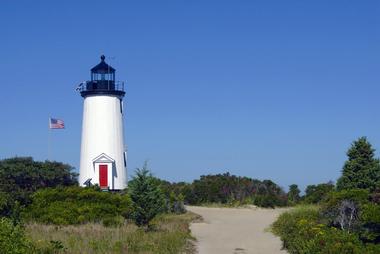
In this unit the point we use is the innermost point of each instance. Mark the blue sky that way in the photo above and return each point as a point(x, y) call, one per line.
point(267, 89)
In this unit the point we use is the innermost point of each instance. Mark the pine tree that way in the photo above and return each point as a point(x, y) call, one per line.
point(362, 169)
point(147, 197)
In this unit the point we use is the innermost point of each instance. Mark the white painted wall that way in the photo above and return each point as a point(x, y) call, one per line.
point(102, 132)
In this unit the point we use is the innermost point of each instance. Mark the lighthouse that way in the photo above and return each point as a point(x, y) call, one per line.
point(103, 160)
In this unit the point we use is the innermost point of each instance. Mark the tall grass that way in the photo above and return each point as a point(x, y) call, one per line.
point(171, 235)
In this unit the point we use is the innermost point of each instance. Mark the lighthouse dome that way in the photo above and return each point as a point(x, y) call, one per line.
point(102, 81)
point(103, 67)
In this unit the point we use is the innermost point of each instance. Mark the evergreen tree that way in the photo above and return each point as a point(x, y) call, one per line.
point(147, 197)
point(293, 194)
point(362, 169)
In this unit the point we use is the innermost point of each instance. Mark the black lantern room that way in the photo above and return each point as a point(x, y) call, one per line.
point(102, 81)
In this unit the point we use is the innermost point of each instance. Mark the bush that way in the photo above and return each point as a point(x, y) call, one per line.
point(21, 176)
point(342, 208)
point(288, 223)
point(370, 223)
point(375, 196)
point(76, 205)
point(12, 238)
point(176, 204)
point(352, 210)
point(314, 194)
point(302, 232)
point(268, 201)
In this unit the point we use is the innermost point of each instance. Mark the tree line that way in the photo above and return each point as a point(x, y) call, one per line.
point(48, 192)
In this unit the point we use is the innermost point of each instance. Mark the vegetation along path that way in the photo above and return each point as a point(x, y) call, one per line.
point(236, 230)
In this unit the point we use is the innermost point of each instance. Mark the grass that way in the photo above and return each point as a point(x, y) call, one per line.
point(171, 235)
point(297, 211)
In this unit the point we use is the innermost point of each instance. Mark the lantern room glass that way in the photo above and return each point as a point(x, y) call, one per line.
point(103, 76)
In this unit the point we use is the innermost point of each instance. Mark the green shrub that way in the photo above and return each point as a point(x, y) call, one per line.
point(267, 201)
point(370, 220)
point(5, 204)
point(21, 176)
point(332, 240)
point(373, 248)
point(288, 223)
point(12, 238)
point(76, 205)
point(342, 208)
point(375, 196)
point(359, 196)
point(302, 232)
point(314, 194)
point(176, 204)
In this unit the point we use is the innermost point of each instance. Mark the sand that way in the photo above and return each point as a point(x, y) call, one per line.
point(236, 231)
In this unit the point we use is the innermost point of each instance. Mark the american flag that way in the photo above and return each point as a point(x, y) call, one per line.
point(56, 123)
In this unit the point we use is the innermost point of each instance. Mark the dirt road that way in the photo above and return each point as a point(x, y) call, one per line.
point(235, 231)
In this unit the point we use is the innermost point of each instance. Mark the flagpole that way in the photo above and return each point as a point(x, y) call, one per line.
point(49, 138)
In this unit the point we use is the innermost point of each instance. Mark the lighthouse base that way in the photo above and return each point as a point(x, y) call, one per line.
point(103, 159)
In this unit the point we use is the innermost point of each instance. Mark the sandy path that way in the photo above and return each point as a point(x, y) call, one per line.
point(235, 231)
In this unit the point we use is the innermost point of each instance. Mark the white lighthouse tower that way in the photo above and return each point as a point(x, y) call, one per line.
point(103, 160)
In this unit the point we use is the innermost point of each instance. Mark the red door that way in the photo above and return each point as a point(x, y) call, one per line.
point(103, 176)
